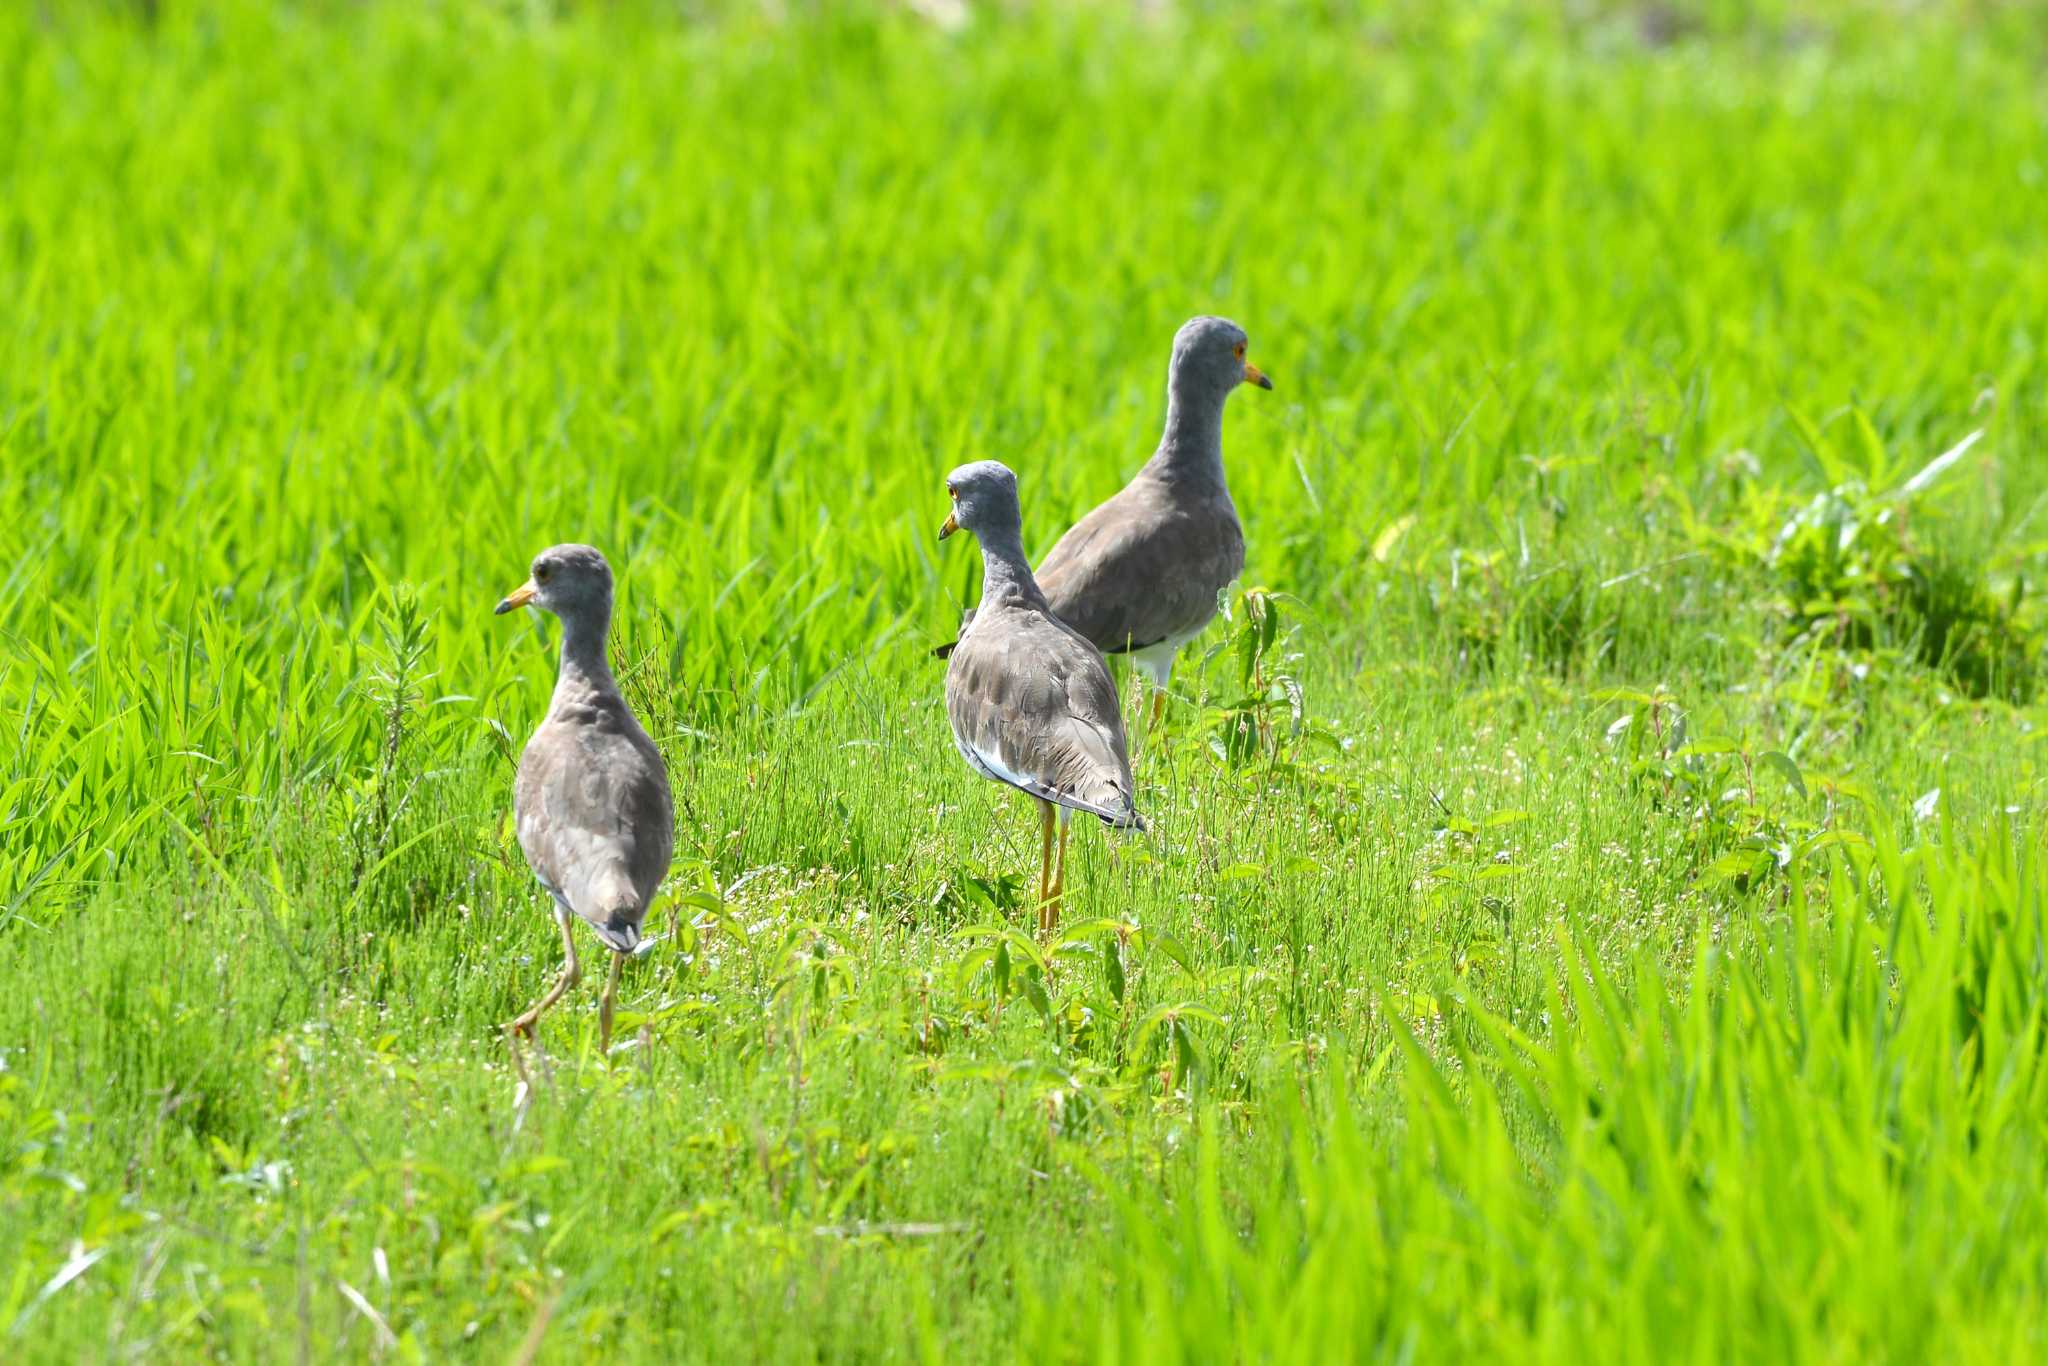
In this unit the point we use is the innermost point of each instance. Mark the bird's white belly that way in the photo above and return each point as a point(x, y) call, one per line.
point(1156, 661)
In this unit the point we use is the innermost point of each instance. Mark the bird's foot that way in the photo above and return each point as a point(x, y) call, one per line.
point(522, 1094)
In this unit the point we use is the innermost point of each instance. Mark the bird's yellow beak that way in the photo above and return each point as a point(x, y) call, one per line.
point(951, 525)
point(1253, 375)
point(518, 597)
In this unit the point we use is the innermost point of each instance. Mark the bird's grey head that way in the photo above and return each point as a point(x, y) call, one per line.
point(984, 501)
point(571, 581)
point(1208, 360)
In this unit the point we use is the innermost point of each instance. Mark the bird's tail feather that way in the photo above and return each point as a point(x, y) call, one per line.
point(618, 932)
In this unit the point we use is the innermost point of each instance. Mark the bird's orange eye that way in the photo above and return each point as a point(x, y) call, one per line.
point(1240, 350)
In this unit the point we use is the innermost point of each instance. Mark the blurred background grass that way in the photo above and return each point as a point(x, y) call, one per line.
point(1608, 340)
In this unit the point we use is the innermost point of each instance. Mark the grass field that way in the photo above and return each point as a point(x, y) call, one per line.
point(1602, 914)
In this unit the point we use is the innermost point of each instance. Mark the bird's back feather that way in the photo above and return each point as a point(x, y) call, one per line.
point(594, 815)
point(1032, 704)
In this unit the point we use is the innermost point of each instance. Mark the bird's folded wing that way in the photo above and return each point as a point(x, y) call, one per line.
point(1135, 572)
point(1036, 709)
point(597, 834)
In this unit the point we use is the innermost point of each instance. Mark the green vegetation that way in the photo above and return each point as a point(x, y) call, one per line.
point(1594, 903)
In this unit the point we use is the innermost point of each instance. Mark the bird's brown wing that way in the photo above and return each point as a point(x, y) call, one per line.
point(1032, 704)
point(1145, 566)
point(595, 818)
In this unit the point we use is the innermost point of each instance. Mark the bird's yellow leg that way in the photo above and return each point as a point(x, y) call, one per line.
point(1158, 704)
point(571, 970)
point(1059, 878)
point(1045, 822)
point(604, 1010)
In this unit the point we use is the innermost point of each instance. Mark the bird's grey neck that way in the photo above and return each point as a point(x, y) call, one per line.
point(1005, 572)
point(584, 669)
point(1191, 448)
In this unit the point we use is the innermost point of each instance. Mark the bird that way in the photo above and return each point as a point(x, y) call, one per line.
point(591, 803)
point(1030, 698)
point(1141, 574)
